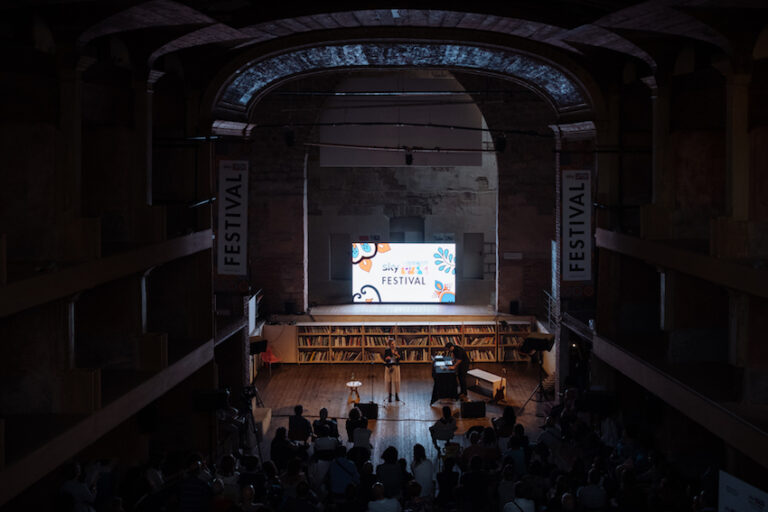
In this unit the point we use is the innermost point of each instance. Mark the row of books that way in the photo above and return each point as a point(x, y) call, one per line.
point(313, 357)
point(415, 355)
point(481, 355)
point(378, 329)
point(446, 329)
point(375, 341)
point(436, 330)
point(315, 329)
point(412, 329)
point(374, 356)
point(320, 355)
point(355, 329)
point(415, 341)
point(313, 341)
point(468, 329)
point(347, 341)
point(347, 355)
point(484, 340)
point(511, 340)
point(442, 340)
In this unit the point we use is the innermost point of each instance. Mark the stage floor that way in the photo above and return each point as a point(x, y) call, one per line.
point(400, 424)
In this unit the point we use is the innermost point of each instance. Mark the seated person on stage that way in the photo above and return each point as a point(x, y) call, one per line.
point(324, 420)
point(444, 428)
point(355, 420)
point(299, 428)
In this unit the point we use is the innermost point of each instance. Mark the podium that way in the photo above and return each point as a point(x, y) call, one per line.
point(445, 383)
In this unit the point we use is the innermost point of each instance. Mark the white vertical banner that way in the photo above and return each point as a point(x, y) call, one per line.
point(577, 226)
point(735, 495)
point(232, 237)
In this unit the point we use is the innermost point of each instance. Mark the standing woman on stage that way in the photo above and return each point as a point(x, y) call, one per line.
point(392, 371)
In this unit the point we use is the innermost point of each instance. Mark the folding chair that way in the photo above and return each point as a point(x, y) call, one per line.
point(269, 358)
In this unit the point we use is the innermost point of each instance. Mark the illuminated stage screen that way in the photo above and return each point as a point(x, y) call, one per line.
point(403, 273)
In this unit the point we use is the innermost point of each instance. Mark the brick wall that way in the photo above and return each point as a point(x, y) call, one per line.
point(526, 212)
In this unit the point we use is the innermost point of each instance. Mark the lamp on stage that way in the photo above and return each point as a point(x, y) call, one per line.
point(538, 342)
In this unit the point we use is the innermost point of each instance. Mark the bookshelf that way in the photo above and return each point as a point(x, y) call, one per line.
point(413, 342)
point(479, 340)
point(511, 336)
point(360, 342)
point(313, 342)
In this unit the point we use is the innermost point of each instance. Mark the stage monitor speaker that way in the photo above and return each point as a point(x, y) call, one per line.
point(474, 409)
point(258, 346)
point(369, 410)
point(538, 341)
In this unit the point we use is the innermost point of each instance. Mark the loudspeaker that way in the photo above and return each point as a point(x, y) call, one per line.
point(257, 347)
point(369, 410)
point(514, 307)
point(473, 409)
point(538, 341)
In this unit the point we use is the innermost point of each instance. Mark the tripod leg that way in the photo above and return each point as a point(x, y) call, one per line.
point(540, 386)
point(257, 396)
point(537, 388)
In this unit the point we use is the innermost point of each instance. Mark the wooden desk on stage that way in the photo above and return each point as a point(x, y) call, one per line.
point(445, 383)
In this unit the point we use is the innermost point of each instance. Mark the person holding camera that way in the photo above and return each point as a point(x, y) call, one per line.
point(392, 371)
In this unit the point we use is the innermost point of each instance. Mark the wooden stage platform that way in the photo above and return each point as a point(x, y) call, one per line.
point(400, 424)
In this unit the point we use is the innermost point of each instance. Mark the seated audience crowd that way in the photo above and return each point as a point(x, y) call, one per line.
point(576, 462)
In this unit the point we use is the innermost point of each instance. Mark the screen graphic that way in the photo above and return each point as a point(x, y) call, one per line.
point(412, 273)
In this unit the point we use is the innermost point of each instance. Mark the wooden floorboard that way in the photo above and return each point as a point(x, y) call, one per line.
point(400, 424)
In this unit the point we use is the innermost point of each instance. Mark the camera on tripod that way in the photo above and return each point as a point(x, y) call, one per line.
point(538, 342)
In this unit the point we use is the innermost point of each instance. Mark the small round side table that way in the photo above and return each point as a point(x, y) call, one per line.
point(354, 396)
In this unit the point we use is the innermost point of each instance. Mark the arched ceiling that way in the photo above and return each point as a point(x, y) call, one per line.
point(508, 38)
point(561, 91)
point(602, 24)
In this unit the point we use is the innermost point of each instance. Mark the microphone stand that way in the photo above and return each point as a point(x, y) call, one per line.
point(370, 374)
